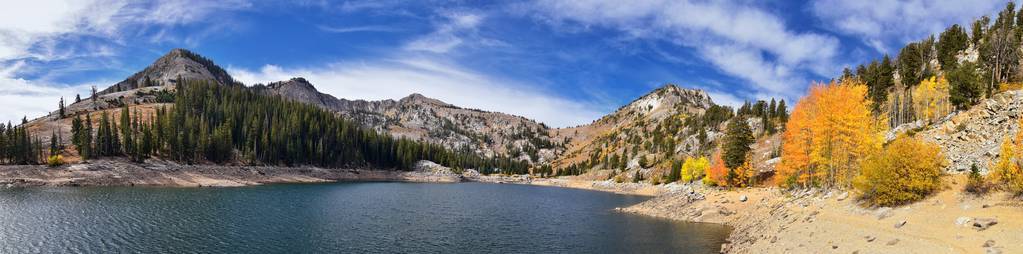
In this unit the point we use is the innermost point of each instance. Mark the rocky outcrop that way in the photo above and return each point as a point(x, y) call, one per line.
point(973, 137)
point(664, 112)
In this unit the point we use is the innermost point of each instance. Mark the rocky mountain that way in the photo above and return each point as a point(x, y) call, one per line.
point(670, 122)
point(423, 118)
point(166, 70)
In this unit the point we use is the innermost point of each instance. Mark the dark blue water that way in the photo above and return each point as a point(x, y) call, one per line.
point(344, 217)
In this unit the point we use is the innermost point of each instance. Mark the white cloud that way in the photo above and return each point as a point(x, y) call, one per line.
point(27, 98)
point(887, 25)
point(397, 78)
point(354, 29)
point(50, 30)
point(724, 98)
point(448, 33)
point(737, 39)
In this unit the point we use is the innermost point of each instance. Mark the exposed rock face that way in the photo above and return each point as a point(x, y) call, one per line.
point(422, 118)
point(167, 69)
point(973, 137)
point(620, 131)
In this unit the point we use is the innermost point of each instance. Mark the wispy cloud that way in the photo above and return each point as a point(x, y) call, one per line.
point(27, 98)
point(51, 37)
point(887, 25)
point(399, 77)
point(448, 33)
point(742, 41)
point(354, 29)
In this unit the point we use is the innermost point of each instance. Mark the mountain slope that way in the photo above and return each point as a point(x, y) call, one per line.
point(178, 63)
point(668, 123)
point(422, 118)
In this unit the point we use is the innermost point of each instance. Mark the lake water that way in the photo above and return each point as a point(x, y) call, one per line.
point(342, 217)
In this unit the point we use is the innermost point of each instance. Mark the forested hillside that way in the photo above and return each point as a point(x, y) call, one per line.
point(231, 124)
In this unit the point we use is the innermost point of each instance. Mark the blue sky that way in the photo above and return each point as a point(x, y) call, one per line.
point(560, 62)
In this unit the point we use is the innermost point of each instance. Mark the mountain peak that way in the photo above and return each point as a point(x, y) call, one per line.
point(417, 98)
point(166, 70)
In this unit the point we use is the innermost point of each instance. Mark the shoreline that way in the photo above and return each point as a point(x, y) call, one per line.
point(763, 219)
point(166, 174)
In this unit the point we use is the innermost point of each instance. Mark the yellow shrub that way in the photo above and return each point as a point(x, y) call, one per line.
point(55, 160)
point(693, 169)
point(908, 169)
point(1008, 170)
point(1010, 86)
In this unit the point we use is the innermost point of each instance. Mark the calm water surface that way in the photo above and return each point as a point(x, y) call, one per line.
point(343, 217)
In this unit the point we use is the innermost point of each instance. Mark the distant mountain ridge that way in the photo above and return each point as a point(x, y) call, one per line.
point(423, 118)
point(419, 117)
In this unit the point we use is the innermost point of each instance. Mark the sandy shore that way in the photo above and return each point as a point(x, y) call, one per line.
point(770, 221)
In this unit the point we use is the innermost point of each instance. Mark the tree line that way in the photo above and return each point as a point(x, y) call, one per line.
point(996, 63)
point(210, 123)
point(17, 145)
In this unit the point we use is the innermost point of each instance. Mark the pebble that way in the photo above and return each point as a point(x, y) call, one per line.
point(843, 196)
point(892, 242)
point(961, 221)
point(981, 224)
point(883, 212)
point(989, 243)
point(870, 238)
point(743, 198)
point(900, 224)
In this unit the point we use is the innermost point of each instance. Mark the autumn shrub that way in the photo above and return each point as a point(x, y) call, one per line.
point(1008, 171)
point(717, 172)
point(906, 170)
point(694, 168)
point(55, 160)
point(1010, 86)
point(741, 176)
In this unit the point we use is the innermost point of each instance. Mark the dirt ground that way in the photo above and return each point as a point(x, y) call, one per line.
point(770, 221)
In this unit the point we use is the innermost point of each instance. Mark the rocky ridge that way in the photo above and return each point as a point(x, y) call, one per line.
point(422, 118)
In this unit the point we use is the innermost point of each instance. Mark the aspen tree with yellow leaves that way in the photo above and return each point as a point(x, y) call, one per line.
point(931, 99)
point(1008, 169)
point(830, 132)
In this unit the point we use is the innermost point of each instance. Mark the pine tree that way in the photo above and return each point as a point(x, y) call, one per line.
point(60, 107)
point(736, 143)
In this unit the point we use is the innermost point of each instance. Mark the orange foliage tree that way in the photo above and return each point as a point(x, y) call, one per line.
point(717, 173)
point(830, 131)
